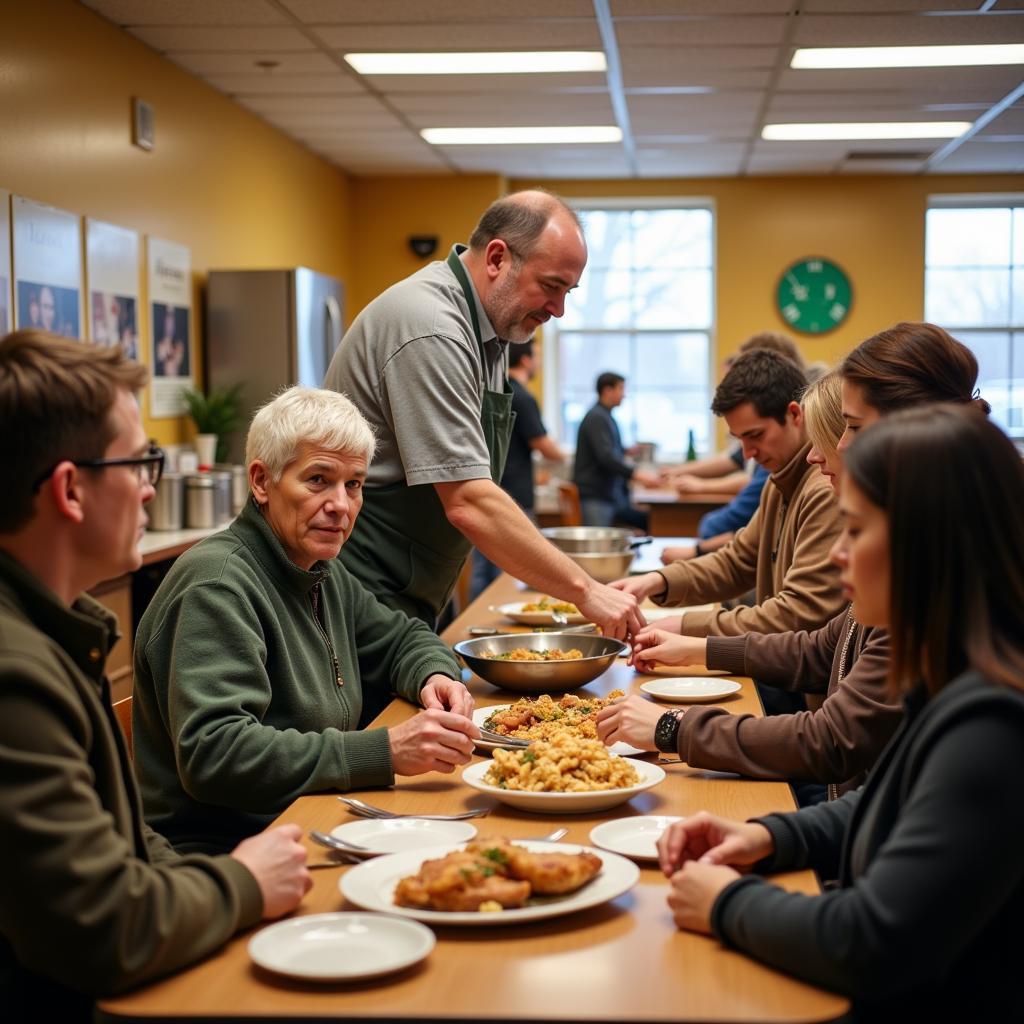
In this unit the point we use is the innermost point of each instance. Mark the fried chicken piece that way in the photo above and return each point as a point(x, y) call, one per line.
point(463, 880)
point(551, 874)
point(495, 889)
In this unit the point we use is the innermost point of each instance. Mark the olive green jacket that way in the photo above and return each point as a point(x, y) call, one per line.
point(246, 699)
point(93, 901)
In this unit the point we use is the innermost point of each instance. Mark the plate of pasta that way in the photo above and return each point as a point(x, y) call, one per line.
point(565, 775)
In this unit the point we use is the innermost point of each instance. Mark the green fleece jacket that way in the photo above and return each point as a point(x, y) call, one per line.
point(246, 698)
point(94, 902)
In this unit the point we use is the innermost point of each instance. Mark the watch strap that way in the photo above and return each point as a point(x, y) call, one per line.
point(666, 732)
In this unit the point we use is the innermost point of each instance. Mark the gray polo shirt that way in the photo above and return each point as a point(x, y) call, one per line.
point(412, 366)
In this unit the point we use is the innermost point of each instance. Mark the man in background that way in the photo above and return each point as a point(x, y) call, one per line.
point(601, 471)
point(529, 435)
point(94, 901)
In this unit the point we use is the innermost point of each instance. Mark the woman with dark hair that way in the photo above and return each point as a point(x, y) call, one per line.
point(926, 923)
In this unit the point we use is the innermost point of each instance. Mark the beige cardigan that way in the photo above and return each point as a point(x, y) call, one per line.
point(782, 554)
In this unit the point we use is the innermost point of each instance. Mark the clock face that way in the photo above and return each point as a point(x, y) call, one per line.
point(814, 296)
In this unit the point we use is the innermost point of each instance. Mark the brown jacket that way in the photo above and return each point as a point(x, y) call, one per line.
point(837, 743)
point(94, 901)
point(782, 553)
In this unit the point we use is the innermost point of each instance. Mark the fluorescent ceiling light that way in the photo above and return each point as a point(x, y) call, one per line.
point(523, 62)
point(545, 136)
point(865, 130)
point(907, 56)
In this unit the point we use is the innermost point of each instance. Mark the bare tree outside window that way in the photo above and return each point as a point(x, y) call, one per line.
point(644, 309)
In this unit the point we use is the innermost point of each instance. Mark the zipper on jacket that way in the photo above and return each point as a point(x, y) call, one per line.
point(782, 526)
point(314, 600)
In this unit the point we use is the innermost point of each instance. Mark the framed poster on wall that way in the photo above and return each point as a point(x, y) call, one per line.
point(6, 320)
point(47, 267)
point(112, 273)
point(170, 301)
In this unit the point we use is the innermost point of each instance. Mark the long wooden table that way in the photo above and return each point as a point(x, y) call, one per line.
point(673, 514)
point(623, 961)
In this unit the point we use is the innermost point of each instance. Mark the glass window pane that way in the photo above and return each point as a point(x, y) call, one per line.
point(667, 360)
point(1015, 402)
point(968, 237)
point(1017, 300)
point(608, 236)
point(667, 416)
point(603, 299)
point(1018, 235)
point(673, 298)
point(672, 238)
point(583, 356)
point(972, 297)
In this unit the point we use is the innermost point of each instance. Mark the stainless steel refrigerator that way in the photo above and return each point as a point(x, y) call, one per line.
point(267, 329)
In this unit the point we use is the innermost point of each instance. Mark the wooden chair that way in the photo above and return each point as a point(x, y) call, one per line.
point(569, 503)
point(123, 710)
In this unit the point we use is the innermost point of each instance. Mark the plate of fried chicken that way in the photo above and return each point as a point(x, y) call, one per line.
point(489, 881)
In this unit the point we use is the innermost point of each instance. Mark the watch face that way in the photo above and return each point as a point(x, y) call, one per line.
point(814, 296)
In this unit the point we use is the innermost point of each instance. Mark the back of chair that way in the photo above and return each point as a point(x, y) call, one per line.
point(123, 710)
point(569, 504)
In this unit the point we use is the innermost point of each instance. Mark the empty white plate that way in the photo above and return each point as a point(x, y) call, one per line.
point(401, 834)
point(690, 689)
point(632, 837)
point(333, 947)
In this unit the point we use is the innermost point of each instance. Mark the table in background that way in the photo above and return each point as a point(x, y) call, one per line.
point(622, 961)
point(673, 514)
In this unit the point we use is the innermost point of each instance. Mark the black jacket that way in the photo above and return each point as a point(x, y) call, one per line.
point(927, 922)
point(600, 470)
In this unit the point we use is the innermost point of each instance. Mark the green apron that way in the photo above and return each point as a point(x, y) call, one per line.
point(403, 548)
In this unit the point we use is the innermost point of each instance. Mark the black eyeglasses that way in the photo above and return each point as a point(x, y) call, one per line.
point(148, 468)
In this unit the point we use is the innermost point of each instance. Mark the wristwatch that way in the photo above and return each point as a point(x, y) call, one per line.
point(667, 731)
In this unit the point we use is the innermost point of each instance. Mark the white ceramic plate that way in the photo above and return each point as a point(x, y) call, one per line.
point(690, 689)
point(401, 834)
point(480, 715)
point(515, 612)
point(632, 837)
point(371, 885)
point(564, 803)
point(334, 947)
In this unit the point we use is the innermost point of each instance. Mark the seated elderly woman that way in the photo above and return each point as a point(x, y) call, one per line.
point(252, 660)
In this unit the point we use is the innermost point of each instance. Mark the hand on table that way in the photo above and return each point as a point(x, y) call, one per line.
point(432, 741)
point(661, 645)
point(446, 694)
point(277, 861)
point(693, 891)
point(641, 476)
point(631, 720)
point(617, 613)
point(710, 840)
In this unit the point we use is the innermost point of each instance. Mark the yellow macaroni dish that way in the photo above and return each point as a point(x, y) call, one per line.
point(563, 764)
point(549, 604)
point(546, 717)
point(525, 654)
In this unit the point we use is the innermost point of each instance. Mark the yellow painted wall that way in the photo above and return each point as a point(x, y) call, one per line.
point(234, 190)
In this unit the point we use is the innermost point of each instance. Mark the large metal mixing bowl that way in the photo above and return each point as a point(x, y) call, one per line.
point(604, 567)
point(599, 652)
point(593, 539)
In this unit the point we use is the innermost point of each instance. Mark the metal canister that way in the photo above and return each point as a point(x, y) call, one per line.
point(200, 501)
point(222, 491)
point(239, 485)
point(166, 509)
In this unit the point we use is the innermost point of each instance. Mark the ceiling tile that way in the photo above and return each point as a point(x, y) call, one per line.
point(349, 103)
point(732, 113)
point(908, 30)
point(567, 34)
point(188, 12)
point(944, 81)
point(670, 8)
point(203, 64)
point(886, 6)
point(396, 84)
point(981, 157)
point(680, 65)
point(354, 12)
point(221, 39)
point(273, 84)
point(970, 103)
point(660, 74)
point(1009, 122)
point(753, 30)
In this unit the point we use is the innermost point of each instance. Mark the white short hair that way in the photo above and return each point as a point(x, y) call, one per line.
point(299, 416)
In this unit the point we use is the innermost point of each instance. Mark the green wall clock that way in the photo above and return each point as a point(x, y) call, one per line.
point(814, 295)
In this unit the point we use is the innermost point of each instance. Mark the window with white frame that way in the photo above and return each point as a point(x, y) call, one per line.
point(644, 309)
point(974, 287)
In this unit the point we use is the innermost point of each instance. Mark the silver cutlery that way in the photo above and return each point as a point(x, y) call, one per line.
point(369, 811)
point(502, 631)
point(506, 741)
point(553, 838)
point(335, 842)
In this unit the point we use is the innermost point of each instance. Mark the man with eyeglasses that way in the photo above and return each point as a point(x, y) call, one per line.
point(94, 901)
point(426, 364)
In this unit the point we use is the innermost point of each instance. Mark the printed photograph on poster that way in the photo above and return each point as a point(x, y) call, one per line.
point(170, 302)
point(115, 321)
point(170, 341)
point(5, 261)
point(112, 271)
point(47, 267)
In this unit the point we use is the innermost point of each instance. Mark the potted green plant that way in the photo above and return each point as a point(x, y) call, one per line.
point(217, 415)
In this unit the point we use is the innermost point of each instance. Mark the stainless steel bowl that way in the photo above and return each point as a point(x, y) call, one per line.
point(599, 652)
point(592, 539)
point(603, 566)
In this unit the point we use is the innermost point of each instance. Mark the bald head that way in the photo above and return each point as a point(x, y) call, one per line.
point(524, 220)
